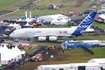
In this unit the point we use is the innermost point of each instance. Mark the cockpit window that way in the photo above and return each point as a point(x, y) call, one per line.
point(12, 32)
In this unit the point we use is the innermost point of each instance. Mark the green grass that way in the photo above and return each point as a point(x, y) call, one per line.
point(73, 54)
point(34, 12)
point(99, 52)
point(46, 43)
point(68, 6)
point(69, 56)
point(92, 37)
point(28, 50)
point(56, 2)
point(11, 4)
point(77, 55)
point(101, 25)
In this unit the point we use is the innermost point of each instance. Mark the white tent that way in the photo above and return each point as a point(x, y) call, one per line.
point(28, 25)
point(71, 66)
point(17, 26)
point(2, 49)
point(8, 54)
point(101, 61)
point(102, 16)
point(64, 21)
point(15, 54)
point(11, 24)
point(53, 67)
point(59, 22)
point(18, 52)
point(50, 18)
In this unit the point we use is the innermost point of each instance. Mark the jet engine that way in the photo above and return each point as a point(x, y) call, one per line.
point(52, 38)
point(42, 38)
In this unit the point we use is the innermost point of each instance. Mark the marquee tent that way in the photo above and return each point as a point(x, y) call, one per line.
point(8, 54)
point(59, 22)
point(101, 61)
point(49, 18)
point(17, 26)
point(102, 16)
point(27, 25)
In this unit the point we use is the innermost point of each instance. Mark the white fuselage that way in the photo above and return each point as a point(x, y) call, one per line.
point(36, 32)
point(53, 33)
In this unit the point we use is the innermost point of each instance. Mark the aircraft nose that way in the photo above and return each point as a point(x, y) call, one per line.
point(12, 35)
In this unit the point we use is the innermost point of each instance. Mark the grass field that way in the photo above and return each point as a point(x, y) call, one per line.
point(46, 43)
point(28, 50)
point(69, 5)
point(91, 37)
point(11, 4)
point(101, 25)
point(69, 56)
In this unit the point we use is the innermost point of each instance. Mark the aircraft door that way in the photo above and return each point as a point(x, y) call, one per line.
point(81, 67)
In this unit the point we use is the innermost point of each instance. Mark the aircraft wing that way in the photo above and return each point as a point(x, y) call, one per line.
point(89, 31)
point(37, 35)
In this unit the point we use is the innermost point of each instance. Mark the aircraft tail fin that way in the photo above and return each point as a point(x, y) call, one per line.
point(86, 23)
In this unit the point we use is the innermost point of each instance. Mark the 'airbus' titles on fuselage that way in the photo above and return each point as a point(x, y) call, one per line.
point(32, 32)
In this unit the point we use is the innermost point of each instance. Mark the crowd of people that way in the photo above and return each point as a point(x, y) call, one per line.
point(5, 11)
point(75, 22)
point(98, 29)
point(78, 21)
point(13, 63)
point(27, 6)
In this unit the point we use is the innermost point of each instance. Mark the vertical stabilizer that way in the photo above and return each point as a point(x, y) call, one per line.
point(30, 15)
point(86, 23)
point(26, 14)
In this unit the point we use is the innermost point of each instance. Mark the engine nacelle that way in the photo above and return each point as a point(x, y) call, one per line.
point(42, 38)
point(52, 38)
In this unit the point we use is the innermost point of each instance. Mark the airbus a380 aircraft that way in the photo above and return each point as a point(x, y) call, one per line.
point(52, 34)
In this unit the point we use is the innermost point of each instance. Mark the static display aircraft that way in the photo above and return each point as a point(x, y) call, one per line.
point(52, 34)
